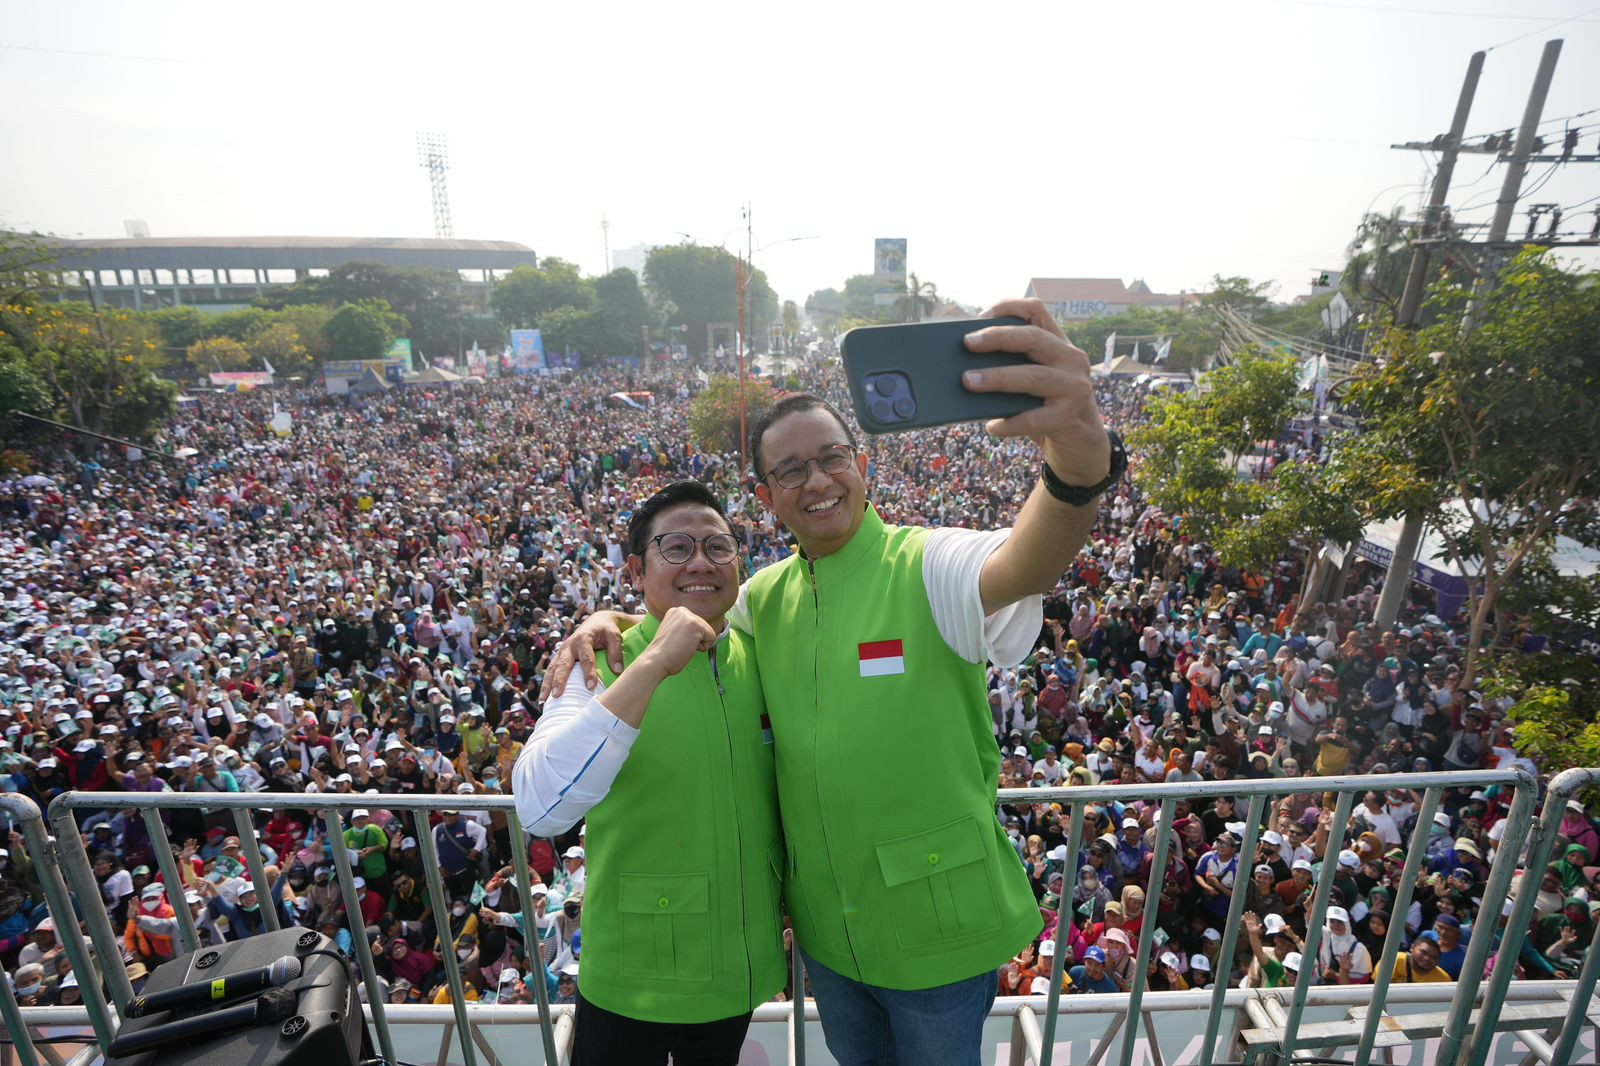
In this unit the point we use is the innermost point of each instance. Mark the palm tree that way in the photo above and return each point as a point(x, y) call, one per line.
point(920, 297)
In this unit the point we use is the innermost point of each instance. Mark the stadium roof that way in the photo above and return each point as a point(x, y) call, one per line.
point(405, 244)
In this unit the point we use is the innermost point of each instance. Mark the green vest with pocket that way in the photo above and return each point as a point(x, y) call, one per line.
point(681, 911)
point(899, 873)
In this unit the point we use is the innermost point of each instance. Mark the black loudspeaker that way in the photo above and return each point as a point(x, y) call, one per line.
point(312, 1020)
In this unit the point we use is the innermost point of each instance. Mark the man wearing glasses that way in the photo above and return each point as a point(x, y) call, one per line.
point(671, 761)
point(905, 894)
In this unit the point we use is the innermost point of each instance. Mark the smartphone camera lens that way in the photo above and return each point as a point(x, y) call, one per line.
point(885, 385)
point(905, 406)
point(881, 409)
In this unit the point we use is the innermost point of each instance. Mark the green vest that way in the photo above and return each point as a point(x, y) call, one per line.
point(681, 912)
point(899, 873)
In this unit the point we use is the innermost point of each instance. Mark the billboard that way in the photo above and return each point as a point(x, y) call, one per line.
point(889, 259)
point(400, 350)
point(888, 270)
point(527, 351)
point(240, 380)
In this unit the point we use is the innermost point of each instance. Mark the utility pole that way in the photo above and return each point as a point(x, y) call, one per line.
point(605, 239)
point(741, 283)
point(1405, 549)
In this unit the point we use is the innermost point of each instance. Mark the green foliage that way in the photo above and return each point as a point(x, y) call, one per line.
point(527, 294)
point(428, 298)
point(361, 331)
point(307, 321)
point(1555, 704)
point(1505, 416)
point(1248, 298)
point(181, 326)
point(714, 412)
point(919, 299)
point(702, 283)
point(278, 343)
point(1189, 456)
point(21, 390)
point(1379, 258)
point(218, 353)
point(1196, 334)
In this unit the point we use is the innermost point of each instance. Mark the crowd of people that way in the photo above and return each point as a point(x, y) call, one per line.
point(366, 606)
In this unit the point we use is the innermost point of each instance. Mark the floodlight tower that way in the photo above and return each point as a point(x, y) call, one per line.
point(433, 154)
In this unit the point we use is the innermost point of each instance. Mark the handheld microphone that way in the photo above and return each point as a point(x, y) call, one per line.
point(277, 975)
point(272, 1005)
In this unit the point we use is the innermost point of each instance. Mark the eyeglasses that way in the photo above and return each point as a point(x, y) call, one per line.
point(678, 548)
point(833, 460)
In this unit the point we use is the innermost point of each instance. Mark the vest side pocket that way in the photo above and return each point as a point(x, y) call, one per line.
point(939, 884)
point(666, 926)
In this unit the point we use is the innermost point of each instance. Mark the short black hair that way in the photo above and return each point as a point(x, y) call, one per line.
point(800, 401)
point(674, 495)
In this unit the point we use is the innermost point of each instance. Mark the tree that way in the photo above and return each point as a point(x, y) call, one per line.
point(714, 412)
point(703, 284)
point(1248, 298)
point(1189, 455)
point(825, 307)
point(1490, 434)
point(920, 298)
point(307, 321)
point(96, 364)
point(277, 344)
point(218, 353)
point(1555, 703)
point(791, 323)
point(428, 298)
point(22, 391)
point(361, 331)
point(528, 293)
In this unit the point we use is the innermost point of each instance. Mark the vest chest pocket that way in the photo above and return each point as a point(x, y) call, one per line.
point(666, 926)
point(939, 884)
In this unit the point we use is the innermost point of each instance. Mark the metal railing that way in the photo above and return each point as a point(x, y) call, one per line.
point(64, 871)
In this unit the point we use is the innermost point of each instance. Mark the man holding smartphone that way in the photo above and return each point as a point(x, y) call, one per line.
point(671, 761)
point(905, 903)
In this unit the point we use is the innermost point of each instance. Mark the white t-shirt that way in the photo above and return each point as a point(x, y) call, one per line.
point(570, 762)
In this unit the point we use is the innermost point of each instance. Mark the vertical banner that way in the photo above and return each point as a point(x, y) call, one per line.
point(527, 351)
point(888, 270)
point(1111, 346)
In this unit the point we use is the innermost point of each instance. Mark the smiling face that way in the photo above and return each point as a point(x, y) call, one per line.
point(825, 510)
point(708, 589)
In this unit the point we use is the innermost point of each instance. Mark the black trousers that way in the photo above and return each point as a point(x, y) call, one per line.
point(601, 1038)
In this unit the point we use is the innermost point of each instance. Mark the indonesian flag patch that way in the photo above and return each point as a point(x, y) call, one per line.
point(882, 657)
point(766, 728)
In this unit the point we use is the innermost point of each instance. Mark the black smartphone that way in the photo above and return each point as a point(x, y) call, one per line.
point(907, 377)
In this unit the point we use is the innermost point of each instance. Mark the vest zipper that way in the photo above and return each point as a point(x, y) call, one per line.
point(738, 832)
point(816, 688)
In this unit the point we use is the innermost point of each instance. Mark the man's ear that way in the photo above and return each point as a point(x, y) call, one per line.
point(764, 494)
point(634, 565)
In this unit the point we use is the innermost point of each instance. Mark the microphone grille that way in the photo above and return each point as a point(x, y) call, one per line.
point(283, 971)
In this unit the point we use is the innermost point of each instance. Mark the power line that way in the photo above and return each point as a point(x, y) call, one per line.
point(1543, 29)
point(93, 55)
point(1416, 11)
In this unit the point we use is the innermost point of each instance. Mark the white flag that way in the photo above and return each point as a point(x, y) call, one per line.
point(1163, 350)
point(1111, 345)
point(1135, 351)
point(268, 367)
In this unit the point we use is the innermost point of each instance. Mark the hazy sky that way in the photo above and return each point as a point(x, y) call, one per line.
point(1162, 140)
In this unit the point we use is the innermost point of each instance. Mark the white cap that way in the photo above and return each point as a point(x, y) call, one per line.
point(1047, 949)
point(1169, 959)
point(360, 812)
point(1301, 864)
point(539, 890)
point(360, 882)
point(573, 852)
point(569, 970)
point(1274, 924)
point(1199, 962)
point(1273, 837)
point(1338, 914)
point(408, 842)
point(154, 890)
point(1291, 961)
point(1130, 823)
point(1039, 986)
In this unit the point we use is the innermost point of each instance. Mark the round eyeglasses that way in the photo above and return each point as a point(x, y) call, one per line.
point(678, 548)
point(832, 461)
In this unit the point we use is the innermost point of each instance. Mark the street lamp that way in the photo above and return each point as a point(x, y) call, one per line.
point(745, 270)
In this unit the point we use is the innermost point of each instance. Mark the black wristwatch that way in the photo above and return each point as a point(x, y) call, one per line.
point(1079, 495)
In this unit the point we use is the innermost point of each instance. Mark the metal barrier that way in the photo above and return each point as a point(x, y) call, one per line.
point(1466, 1034)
